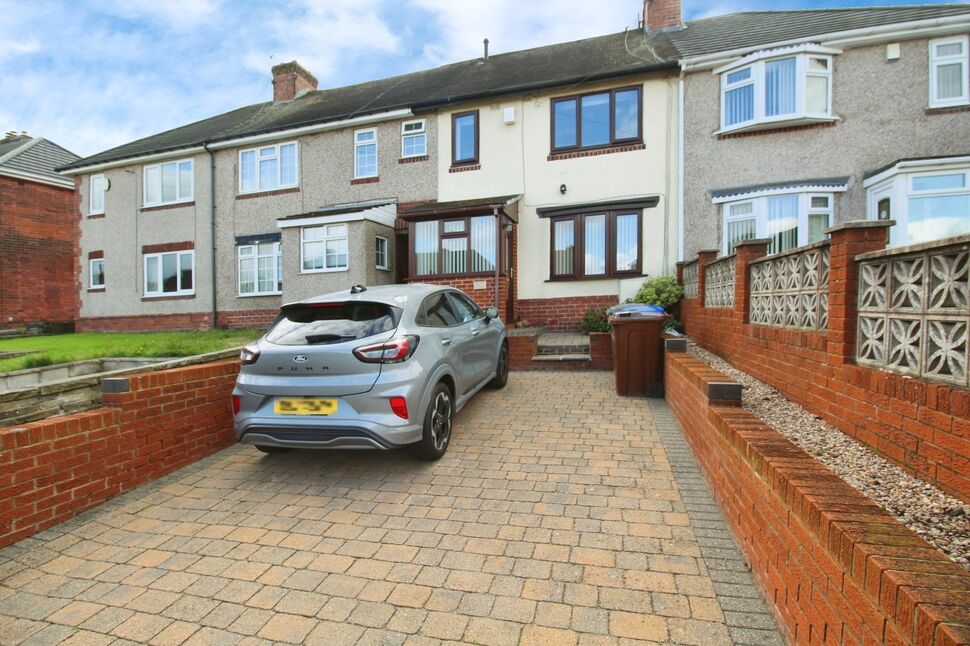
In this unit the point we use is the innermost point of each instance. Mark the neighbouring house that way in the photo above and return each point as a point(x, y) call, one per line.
point(37, 241)
point(798, 120)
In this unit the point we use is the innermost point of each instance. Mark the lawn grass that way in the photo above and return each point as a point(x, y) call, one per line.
point(64, 348)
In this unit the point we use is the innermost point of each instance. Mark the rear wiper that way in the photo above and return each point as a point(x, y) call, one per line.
point(328, 338)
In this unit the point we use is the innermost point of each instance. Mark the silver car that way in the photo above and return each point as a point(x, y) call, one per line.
point(372, 367)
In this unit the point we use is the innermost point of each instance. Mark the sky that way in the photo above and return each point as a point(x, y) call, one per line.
point(93, 74)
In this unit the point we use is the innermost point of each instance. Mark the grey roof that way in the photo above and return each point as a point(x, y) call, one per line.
point(38, 157)
point(873, 173)
point(619, 54)
point(437, 208)
point(825, 182)
point(755, 28)
point(340, 209)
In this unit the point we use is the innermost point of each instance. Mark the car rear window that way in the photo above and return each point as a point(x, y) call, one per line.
point(325, 323)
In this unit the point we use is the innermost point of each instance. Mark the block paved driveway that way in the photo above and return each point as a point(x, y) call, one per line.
point(555, 518)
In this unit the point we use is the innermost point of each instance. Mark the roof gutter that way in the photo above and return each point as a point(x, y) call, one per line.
point(904, 165)
point(850, 37)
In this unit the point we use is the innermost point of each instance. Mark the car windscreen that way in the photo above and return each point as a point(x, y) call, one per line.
point(325, 323)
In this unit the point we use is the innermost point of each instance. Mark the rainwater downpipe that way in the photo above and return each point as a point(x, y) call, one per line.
point(498, 253)
point(212, 227)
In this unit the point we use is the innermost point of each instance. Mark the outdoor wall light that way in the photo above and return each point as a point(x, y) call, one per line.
point(562, 189)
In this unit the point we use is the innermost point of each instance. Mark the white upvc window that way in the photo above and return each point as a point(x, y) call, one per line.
point(96, 187)
point(260, 269)
point(168, 183)
point(949, 62)
point(269, 168)
point(788, 220)
point(170, 274)
point(380, 252)
point(773, 87)
point(927, 205)
point(96, 273)
point(414, 138)
point(324, 248)
point(365, 153)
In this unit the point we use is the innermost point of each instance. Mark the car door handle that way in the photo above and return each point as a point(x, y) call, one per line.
point(476, 332)
point(445, 341)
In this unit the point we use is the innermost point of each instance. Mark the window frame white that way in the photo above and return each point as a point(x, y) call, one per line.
point(279, 167)
point(326, 238)
point(757, 63)
point(936, 61)
point(277, 256)
point(387, 253)
point(179, 199)
point(896, 184)
point(759, 213)
point(161, 293)
point(91, 283)
point(358, 144)
point(92, 209)
point(423, 132)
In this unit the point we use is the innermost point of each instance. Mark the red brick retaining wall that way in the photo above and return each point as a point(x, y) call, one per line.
point(560, 314)
point(835, 567)
point(924, 427)
point(145, 323)
point(54, 469)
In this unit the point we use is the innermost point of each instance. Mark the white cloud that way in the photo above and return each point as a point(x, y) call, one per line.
point(174, 14)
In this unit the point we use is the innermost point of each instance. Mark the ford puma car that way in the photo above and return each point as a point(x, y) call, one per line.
point(379, 367)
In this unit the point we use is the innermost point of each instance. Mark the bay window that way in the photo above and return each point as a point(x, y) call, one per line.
point(596, 120)
point(771, 87)
point(787, 220)
point(324, 248)
point(260, 269)
point(949, 58)
point(268, 168)
point(168, 183)
point(169, 274)
point(457, 246)
point(595, 245)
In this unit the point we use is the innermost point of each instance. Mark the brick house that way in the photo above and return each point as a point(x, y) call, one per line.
point(37, 224)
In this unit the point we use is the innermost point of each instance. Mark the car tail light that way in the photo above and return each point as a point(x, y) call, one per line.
point(394, 351)
point(249, 355)
point(236, 404)
point(399, 406)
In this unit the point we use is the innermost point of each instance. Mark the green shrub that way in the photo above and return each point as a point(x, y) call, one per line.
point(595, 320)
point(662, 290)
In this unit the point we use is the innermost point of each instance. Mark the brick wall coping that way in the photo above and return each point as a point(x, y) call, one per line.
point(861, 224)
point(524, 331)
point(793, 252)
point(684, 263)
point(725, 259)
point(916, 248)
point(901, 574)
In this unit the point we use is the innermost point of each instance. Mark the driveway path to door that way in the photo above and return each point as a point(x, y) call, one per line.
point(555, 518)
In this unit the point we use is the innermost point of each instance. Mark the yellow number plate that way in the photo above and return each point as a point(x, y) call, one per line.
point(305, 406)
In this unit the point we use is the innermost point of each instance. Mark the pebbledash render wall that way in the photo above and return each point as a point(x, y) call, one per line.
point(883, 115)
point(515, 159)
point(834, 566)
point(36, 253)
point(326, 178)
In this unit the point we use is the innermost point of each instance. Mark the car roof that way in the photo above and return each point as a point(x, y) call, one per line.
point(394, 295)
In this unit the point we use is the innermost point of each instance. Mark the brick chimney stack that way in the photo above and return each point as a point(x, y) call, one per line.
point(662, 14)
point(290, 81)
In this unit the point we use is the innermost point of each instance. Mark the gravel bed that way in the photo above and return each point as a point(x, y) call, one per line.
point(943, 521)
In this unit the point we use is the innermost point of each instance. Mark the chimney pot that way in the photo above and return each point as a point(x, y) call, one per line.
point(290, 81)
point(662, 14)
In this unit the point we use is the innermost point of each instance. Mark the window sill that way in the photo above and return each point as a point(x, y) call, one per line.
point(174, 297)
point(364, 180)
point(383, 268)
point(592, 152)
point(583, 279)
point(95, 289)
point(788, 125)
point(411, 160)
point(95, 216)
point(260, 295)
point(948, 109)
point(478, 275)
point(324, 271)
point(462, 168)
point(166, 207)
point(278, 191)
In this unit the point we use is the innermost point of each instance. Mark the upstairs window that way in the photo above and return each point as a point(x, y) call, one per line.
point(169, 183)
point(268, 168)
point(596, 120)
point(464, 138)
point(414, 138)
point(365, 153)
point(96, 199)
point(765, 90)
point(948, 72)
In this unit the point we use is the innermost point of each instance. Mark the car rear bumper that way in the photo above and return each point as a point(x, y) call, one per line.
point(324, 434)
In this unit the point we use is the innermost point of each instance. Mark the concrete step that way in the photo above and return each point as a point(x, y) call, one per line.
point(574, 356)
point(543, 350)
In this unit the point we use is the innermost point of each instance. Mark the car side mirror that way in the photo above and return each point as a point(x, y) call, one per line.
point(491, 313)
